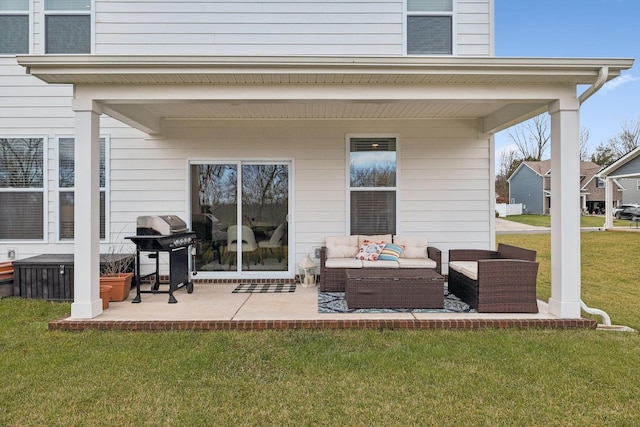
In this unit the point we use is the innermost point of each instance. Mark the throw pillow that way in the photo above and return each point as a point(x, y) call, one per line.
point(369, 251)
point(391, 252)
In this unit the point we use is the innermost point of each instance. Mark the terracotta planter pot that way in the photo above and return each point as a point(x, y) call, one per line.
point(105, 295)
point(120, 285)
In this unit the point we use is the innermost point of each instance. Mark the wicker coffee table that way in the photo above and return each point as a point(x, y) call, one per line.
point(394, 288)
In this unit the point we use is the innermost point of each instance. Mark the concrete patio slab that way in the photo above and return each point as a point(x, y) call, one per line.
point(215, 307)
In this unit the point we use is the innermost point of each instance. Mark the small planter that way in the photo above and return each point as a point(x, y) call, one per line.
point(120, 285)
point(105, 295)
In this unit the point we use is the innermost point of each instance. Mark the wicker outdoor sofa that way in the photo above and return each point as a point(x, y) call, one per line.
point(339, 254)
point(502, 281)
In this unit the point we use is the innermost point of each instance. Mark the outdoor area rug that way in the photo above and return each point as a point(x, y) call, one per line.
point(263, 288)
point(334, 302)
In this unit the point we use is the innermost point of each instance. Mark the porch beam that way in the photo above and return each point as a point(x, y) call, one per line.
point(87, 303)
point(565, 208)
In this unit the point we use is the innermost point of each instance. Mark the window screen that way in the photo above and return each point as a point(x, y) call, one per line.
point(68, 34)
point(14, 34)
point(21, 188)
point(429, 35)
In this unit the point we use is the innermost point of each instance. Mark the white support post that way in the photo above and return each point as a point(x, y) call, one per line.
point(565, 205)
point(87, 303)
point(608, 203)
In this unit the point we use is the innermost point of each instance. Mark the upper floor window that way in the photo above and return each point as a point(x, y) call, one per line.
point(66, 184)
point(67, 26)
point(600, 183)
point(22, 167)
point(14, 27)
point(429, 27)
point(372, 185)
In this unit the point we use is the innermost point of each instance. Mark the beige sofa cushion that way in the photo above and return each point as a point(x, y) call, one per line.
point(380, 264)
point(414, 246)
point(384, 238)
point(468, 268)
point(416, 263)
point(343, 263)
point(341, 246)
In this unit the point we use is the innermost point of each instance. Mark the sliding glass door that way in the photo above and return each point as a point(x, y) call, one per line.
point(240, 214)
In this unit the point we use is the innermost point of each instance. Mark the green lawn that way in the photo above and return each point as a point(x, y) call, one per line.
point(356, 378)
point(545, 220)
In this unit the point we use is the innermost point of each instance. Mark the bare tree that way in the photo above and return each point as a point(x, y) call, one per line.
point(627, 139)
point(585, 133)
point(532, 137)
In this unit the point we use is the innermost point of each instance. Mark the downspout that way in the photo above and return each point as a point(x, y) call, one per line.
point(603, 75)
point(602, 79)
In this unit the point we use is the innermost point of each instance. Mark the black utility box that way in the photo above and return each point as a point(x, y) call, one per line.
point(48, 276)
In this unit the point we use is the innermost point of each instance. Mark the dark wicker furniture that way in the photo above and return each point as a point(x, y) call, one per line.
point(506, 279)
point(334, 279)
point(397, 288)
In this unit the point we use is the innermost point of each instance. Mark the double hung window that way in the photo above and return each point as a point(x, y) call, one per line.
point(66, 183)
point(14, 27)
point(429, 27)
point(372, 185)
point(22, 188)
point(67, 26)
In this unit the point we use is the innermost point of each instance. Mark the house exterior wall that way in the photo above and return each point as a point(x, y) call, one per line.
point(526, 187)
point(445, 166)
point(631, 193)
point(276, 27)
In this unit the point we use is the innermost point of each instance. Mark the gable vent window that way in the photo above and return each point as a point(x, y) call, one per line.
point(67, 26)
point(429, 27)
point(14, 27)
point(372, 184)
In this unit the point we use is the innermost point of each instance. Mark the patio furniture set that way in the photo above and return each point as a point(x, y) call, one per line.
point(392, 271)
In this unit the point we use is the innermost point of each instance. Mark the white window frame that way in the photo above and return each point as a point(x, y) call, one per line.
point(58, 189)
point(638, 185)
point(90, 13)
point(348, 187)
point(29, 13)
point(44, 189)
point(454, 25)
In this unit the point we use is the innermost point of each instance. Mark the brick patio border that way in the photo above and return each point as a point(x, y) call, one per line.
point(259, 325)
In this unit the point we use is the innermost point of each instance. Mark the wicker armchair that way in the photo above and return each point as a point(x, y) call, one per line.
point(502, 281)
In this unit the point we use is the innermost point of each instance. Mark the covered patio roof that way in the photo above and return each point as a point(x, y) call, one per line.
point(151, 93)
point(500, 91)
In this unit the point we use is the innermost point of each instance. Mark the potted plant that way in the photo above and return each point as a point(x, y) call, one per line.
point(117, 272)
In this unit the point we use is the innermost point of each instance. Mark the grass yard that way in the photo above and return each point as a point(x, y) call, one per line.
point(545, 220)
point(355, 378)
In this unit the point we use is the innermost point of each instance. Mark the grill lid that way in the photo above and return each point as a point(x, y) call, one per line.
point(160, 225)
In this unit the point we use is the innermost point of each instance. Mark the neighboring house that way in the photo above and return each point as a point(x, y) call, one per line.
point(328, 118)
point(630, 188)
point(626, 171)
point(530, 184)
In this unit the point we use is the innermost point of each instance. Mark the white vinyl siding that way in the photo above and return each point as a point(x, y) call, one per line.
point(250, 28)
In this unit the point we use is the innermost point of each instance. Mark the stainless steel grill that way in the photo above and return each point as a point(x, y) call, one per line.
point(164, 233)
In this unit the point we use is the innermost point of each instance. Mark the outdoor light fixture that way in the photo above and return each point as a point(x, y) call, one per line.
point(307, 272)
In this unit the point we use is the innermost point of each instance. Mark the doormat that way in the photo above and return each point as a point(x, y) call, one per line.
point(264, 288)
point(334, 302)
